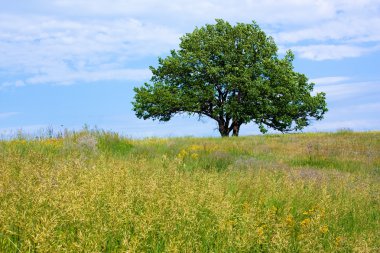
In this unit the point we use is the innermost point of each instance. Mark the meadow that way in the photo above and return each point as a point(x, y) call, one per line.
point(94, 191)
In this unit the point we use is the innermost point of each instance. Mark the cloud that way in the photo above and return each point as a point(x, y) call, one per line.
point(346, 28)
point(332, 52)
point(71, 77)
point(48, 37)
point(4, 115)
point(267, 11)
point(342, 88)
point(366, 108)
point(60, 51)
point(341, 91)
point(83, 76)
point(69, 41)
point(351, 104)
point(357, 125)
point(328, 80)
point(347, 32)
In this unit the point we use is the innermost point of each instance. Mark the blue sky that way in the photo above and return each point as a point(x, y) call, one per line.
point(66, 63)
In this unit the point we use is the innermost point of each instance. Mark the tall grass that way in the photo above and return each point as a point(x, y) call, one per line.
point(94, 191)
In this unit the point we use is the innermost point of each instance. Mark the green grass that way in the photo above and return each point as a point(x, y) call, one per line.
point(99, 192)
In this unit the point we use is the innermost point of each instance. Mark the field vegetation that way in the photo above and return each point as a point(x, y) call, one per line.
point(94, 191)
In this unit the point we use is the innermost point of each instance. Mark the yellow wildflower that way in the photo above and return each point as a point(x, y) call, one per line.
point(182, 154)
point(273, 210)
point(324, 229)
point(305, 222)
point(338, 240)
point(309, 212)
point(289, 220)
point(194, 156)
point(195, 147)
point(260, 231)
point(230, 224)
point(246, 207)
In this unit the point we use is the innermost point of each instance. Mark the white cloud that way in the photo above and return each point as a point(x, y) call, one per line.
point(68, 41)
point(124, 38)
point(52, 50)
point(346, 28)
point(340, 91)
point(331, 52)
point(329, 80)
point(4, 115)
point(268, 11)
point(83, 76)
point(272, 12)
point(366, 108)
point(357, 125)
point(351, 104)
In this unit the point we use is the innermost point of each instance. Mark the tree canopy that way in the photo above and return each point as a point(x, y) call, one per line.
point(233, 75)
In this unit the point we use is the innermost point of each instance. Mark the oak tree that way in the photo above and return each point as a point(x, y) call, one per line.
point(233, 75)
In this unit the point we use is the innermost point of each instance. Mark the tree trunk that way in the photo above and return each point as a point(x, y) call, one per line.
point(235, 127)
point(223, 129)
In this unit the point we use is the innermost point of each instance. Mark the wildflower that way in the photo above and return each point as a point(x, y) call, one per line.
point(324, 229)
point(289, 220)
point(309, 212)
point(230, 224)
point(338, 240)
point(227, 225)
point(195, 147)
point(194, 156)
point(305, 222)
point(246, 207)
point(322, 213)
point(182, 154)
point(273, 210)
point(260, 231)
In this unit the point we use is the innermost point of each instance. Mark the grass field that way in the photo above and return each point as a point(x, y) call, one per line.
point(97, 192)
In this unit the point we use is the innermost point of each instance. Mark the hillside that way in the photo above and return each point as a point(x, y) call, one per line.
point(99, 192)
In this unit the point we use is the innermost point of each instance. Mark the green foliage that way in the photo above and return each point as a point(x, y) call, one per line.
point(233, 75)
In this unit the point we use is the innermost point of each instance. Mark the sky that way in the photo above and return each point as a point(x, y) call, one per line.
point(67, 63)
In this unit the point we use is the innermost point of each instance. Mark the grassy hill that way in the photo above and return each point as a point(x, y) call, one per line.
point(98, 192)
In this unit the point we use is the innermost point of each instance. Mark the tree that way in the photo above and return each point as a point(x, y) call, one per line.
point(233, 75)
